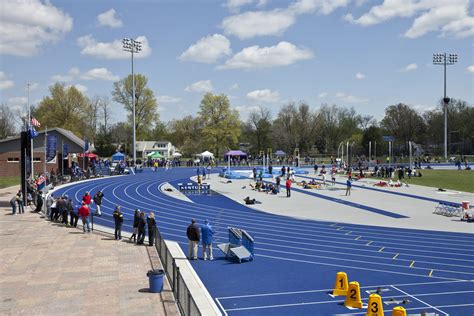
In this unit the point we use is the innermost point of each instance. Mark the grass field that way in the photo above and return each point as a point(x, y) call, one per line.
point(9, 181)
point(459, 180)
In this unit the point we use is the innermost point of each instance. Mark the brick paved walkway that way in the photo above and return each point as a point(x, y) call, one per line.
point(47, 269)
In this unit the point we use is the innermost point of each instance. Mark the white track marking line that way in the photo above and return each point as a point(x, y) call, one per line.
point(415, 298)
point(221, 307)
point(327, 290)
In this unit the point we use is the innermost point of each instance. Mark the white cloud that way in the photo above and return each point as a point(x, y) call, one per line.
point(253, 57)
point(200, 86)
point(34, 86)
point(322, 95)
point(72, 74)
point(348, 98)
point(409, 67)
point(470, 69)
point(360, 76)
point(99, 74)
point(110, 50)
point(79, 87)
point(168, 99)
point(234, 5)
point(5, 83)
point(17, 102)
point(235, 86)
point(449, 17)
point(260, 23)
point(276, 21)
point(264, 95)
point(108, 18)
point(207, 50)
point(26, 26)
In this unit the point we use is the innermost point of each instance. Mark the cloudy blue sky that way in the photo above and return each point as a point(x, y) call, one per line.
point(368, 54)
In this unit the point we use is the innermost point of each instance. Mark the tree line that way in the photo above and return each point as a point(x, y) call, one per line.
point(217, 126)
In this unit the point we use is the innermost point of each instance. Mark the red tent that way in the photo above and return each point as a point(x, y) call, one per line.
point(88, 155)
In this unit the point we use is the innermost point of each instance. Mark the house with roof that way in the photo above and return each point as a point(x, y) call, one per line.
point(163, 147)
point(10, 152)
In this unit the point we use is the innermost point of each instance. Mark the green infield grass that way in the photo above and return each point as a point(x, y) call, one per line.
point(9, 181)
point(459, 180)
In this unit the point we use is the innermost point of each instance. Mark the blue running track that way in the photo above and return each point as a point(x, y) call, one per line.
point(297, 260)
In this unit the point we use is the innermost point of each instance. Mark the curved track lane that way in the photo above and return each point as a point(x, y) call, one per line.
point(295, 259)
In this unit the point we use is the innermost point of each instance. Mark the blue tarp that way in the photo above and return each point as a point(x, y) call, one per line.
point(118, 157)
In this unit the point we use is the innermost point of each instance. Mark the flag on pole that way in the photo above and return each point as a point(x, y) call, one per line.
point(32, 132)
point(35, 122)
point(86, 145)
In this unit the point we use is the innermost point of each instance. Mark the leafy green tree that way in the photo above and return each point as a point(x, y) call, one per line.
point(7, 122)
point(257, 130)
point(104, 143)
point(404, 123)
point(186, 135)
point(67, 108)
point(221, 124)
point(145, 102)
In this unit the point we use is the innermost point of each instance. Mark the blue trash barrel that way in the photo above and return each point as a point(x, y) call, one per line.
point(155, 278)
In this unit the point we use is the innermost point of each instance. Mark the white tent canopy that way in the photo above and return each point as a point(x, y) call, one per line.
point(207, 154)
point(177, 154)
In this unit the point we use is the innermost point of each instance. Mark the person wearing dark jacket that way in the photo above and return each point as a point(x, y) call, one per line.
point(135, 225)
point(73, 213)
point(61, 208)
point(118, 218)
point(141, 229)
point(151, 228)
point(98, 202)
point(194, 236)
point(39, 201)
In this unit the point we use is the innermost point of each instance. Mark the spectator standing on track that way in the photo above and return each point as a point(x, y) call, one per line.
point(315, 168)
point(118, 219)
point(288, 187)
point(13, 204)
point(87, 199)
point(73, 213)
point(136, 218)
point(348, 187)
point(49, 204)
point(270, 170)
point(141, 229)
point(278, 181)
point(333, 175)
point(39, 202)
point(204, 173)
point(98, 202)
point(151, 228)
point(19, 201)
point(84, 213)
point(206, 236)
point(193, 237)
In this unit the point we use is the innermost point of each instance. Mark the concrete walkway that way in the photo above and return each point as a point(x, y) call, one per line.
point(47, 269)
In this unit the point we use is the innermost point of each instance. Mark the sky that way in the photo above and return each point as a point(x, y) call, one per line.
point(366, 54)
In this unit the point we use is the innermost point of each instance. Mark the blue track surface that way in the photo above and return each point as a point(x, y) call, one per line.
point(297, 260)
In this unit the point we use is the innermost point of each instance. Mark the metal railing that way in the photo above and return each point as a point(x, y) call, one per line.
point(185, 301)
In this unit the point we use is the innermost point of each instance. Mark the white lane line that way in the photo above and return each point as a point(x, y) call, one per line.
point(334, 301)
point(221, 307)
point(415, 298)
point(358, 268)
point(327, 290)
point(412, 309)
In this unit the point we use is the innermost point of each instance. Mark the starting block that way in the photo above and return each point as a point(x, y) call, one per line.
point(375, 306)
point(240, 245)
point(399, 311)
point(353, 299)
point(341, 285)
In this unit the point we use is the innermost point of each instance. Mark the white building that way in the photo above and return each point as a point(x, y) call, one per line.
point(164, 147)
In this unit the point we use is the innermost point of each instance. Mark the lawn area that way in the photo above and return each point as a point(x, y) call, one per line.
point(459, 180)
point(9, 181)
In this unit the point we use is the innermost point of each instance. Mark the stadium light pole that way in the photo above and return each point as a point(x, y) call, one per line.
point(445, 60)
point(134, 47)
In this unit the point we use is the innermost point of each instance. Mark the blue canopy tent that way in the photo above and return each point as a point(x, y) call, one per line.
point(280, 153)
point(118, 156)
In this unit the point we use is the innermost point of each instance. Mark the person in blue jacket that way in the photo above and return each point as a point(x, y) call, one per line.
point(206, 237)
